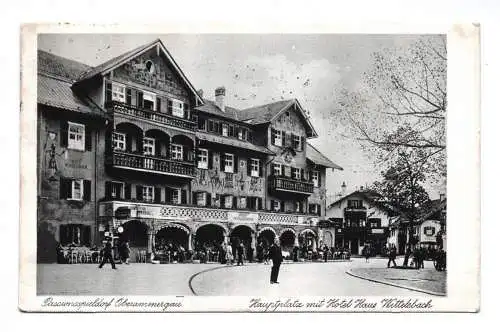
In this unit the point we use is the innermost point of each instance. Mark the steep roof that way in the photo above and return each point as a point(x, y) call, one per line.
point(318, 158)
point(264, 113)
point(210, 107)
point(55, 78)
point(373, 198)
point(121, 59)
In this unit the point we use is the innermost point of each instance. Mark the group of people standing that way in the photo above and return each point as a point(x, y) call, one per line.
point(107, 253)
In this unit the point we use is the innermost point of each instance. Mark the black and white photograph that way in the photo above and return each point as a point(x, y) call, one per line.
point(267, 166)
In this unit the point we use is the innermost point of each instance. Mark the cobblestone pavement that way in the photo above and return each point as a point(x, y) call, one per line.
point(302, 279)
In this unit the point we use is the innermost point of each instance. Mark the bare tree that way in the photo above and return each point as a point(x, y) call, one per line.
point(401, 104)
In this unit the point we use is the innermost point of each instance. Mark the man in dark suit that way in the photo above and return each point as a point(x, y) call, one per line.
point(108, 255)
point(277, 256)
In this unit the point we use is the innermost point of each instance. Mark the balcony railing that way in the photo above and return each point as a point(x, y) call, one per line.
point(118, 107)
point(151, 164)
point(288, 184)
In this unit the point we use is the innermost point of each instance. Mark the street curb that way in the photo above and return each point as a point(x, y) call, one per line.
point(200, 272)
point(352, 274)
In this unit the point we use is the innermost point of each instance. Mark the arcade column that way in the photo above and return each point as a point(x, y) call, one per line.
point(253, 245)
point(190, 241)
point(149, 251)
point(314, 244)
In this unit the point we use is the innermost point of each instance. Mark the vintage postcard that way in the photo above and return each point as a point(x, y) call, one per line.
point(332, 170)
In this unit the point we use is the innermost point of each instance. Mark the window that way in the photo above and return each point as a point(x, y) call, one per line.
point(118, 92)
point(202, 124)
point(354, 203)
point(315, 178)
point(176, 196)
point(76, 136)
point(228, 163)
point(313, 208)
point(224, 129)
point(210, 126)
point(203, 158)
point(298, 206)
point(149, 101)
point(276, 206)
point(147, 193)
point(119, 141)
point(116, 190)
point(296, 142)
point(176, 151)
point(254, 168)
point(148, 146)
point(228, 202)
point(76, 190)
point(177, 108)
point(201, 199)
point(242, 133)
point(74, 234)
point(277, 169)
point(277, 139)
point(231, 131)
point(296, 173)
point(242, 202)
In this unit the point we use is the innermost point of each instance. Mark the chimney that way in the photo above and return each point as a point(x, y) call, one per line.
point(344, 188)
point(220, 95)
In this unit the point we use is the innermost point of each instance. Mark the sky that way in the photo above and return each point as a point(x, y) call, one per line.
point(257, 69)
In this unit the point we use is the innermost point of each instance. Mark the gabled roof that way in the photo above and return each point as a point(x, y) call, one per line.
point(268, 112)
point(113, 63)
point(433, 207)
point(210, 107)
point(371, 197)
point(55, 78)
point(318, 158)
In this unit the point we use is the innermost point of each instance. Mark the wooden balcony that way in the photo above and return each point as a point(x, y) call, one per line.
point(162, 118)
point(280, 183)
point(151, 164)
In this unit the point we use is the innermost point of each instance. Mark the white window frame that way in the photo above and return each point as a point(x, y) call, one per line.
point(74, 196)
point(276, 205)
point(296, 142)
point(228, 163)
point(242, 202)
point(240, 133)
point(78, 142)
point(254, 167)
point(297, 206)
point(146, 191)
point(296, 173)
point(202, 158)
point(150, 143)
point(118, 92)
point(228, 202)
point(201, 198)
point(277, 169)
point(176, 193)
point(119, 141)
point(176, 151)
point(113, 188)
point(177, 108)
point(315, 178)
point(149, 96)
point(277, 139)
point(225, 129)
point(314, 208)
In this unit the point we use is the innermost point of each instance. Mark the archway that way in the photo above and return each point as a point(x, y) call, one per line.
point(266, 237)
point(287, 239)
point(241, 234)
point(172, 236)
point(133, 136)
point(161, 142)
point(136, 233)
point(209, 236)
point(181, 144)
point(307, 242)
point(328, 239)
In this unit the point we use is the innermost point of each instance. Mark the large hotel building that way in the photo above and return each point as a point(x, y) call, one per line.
point(131, 149)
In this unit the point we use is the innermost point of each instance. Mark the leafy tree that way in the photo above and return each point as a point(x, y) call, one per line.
point(401, 104)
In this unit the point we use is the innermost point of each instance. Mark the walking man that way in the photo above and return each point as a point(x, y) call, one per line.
point(277, 256)
point(107, 255)
point(240, 250)
point(392, 256)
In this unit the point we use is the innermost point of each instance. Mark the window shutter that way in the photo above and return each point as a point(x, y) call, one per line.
point(88, 139)
point(302, 174)
point(288, 139)
point(183, 196)
point(64, 133)
point(288, 171)
point(282, 206)
point(272, 205)
point(86, 235)
point(64, 187)
point(140, 99)
point(158, 104)
point(210, 157)
point(108, 96)
point(260, 168)
point(194, 200)
point(128, 96)
point(127, 191)
point(221, 157)
point(259, 203)
point(235, 163)
point(138, 192)
point(107, 189)
point(310, 208)
point(310, 176)
point(273, 134)
point(319, 178)
point(209, 199)
point(87, 191)
point(283, 139)
point(235, 202)
point(157, 194)
point(186, 111)
point(249, 166)
point(302, 140)
point(169, 106)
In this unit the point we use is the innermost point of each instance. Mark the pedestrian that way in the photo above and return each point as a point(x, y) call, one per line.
point(366, 251)
point(240, 251)
point(392, 256)
point(250, 254)
point(277, 257)
point(108, 255)
point(126, 253)
point(229, 254)
point(260, 252)
point(325, 253)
